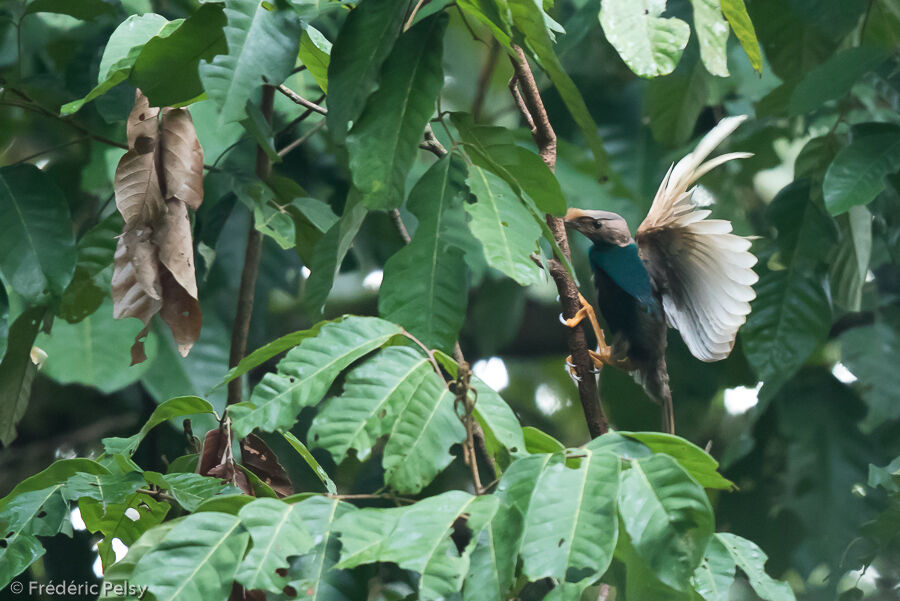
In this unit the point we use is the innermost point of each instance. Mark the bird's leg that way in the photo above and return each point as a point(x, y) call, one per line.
point(603, 353)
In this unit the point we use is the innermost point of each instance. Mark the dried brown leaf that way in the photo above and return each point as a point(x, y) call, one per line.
point(138, 196)
point(259, 459)
point(181, 312)
point(176, 248)
point(217, 460)
point(142, 126)
point(182, 158)
point(136, 288)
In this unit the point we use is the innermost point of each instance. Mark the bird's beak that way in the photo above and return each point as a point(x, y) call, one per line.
point(571, 215)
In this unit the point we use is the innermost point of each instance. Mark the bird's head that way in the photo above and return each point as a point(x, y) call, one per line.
point(602, 227)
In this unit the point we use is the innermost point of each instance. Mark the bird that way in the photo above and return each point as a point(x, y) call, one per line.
point(680, 269)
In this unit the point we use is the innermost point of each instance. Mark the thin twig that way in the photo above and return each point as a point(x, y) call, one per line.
point(412, 15)
point(244, 310)
point(42, 111)
point(155, 493)
point(298, 99)
point(301, 139)
point(48, 150)
point(460, 387)
point(401, 227)
point(432, 144)
point(427, 350)
point(533, 110)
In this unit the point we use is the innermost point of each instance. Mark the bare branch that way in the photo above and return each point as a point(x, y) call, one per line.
point(298, 99)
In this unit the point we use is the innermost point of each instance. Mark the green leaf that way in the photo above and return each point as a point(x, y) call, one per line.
point(95, 351)
point(529, 18)
point(357, 57)
point(538, 441)
point(493, 561)
point(36, 241)
point(196, 560)
point(276, 347)
point(714, 576)
point(712, 33)
point(850, 265)
point(506, 230)
point(311, 462)
point(418, 446)
point(262, 46)
point(166, 70)
point(384, 140)
point(306, 373)
point(189, 490)
point(107, 489)
point(736, 13)
point(177, 407)
point(17, 371)
point(315, 572)
point(871, 354)
point(330, 251)
point(570, 527)
point(792, 312)
point(752, 560)
point(698, 463)
point(315, 54)
point(117, 520)
point(55, 474)
point(418, 538)
point(497, 419)
point(674, 103)
point(668, 517)
point(856, 176)
point(27, 515)
point(86, 10)
point(120, 572)
point(793, 44)
point(833, 79)
point(649, 44)
point(278, 531)
point(374, 395)
point(121, 52)
point(523, 168)
point(488, 13)
point(422, 287)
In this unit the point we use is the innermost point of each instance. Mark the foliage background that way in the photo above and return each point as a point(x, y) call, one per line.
point(822, 340)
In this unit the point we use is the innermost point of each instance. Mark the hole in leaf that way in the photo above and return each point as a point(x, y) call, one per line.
point(461, 534)
point(41, 514)
point(291, 379)
point(382, 414)
point(3, 543)
point(289, 591)
point(560, 543)
point(514, 450)
point(282, 572)
point(316, 437)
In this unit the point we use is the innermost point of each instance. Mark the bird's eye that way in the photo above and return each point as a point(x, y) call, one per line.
point(597, 224)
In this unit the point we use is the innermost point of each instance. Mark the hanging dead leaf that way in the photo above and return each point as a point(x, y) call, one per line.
point(138, 196)
point(257, 457)
point(142, 127)
point(181, 312)
point(182, 158)
point(176, 249)
point(217, 460)
point(136, 288)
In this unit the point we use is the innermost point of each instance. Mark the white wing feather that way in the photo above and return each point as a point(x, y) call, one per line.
point(705, 271)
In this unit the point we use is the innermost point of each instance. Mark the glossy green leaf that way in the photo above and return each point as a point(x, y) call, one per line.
point(120, 572)
point(330, 251)
point(36, 241)
point(674, 103)
point(314, 573)
point(712, 33)
point(750, 558)
point(384, 140)
point(196, 560)
point(17, 371)
point(311, 462)
point(856, 176)
point(493, 561)
point(107, 489)
point(506, 230)
point(736, 13)
point(871, 354)
point(833, 79)
point(55, 474)
point(356, 59)
point(278, 531)
point(850, 265)
point(668, 517)
point(27, 515)
point(125, 521)
point(95, 351)
point(698, 463)
point(306, 372)
point(262, 46)
point(189, 490)
point(418, 446)
point(121, 52)
point(418, 538)
point(649, 44)
point(714, 576)
point(570, 527)
point(315, 54)
point(497, 419)
point(177, 407)
point(489, 14)
point(538, 441)
point(424, 286)
point(374, 395)
point(166, 70)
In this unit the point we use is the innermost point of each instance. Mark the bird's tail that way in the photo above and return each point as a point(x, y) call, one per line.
point(656, 383)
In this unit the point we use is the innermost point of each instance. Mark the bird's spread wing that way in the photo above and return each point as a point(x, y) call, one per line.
point(703, 271)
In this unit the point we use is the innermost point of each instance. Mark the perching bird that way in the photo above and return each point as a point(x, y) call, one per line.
point(679, 268)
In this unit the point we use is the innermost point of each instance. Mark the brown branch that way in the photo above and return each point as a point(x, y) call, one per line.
point(298, 99)
point(401, 227)
point(432, 144)
point(534, 112)
point(460, 387)
point(241, 328)
point(301, 139)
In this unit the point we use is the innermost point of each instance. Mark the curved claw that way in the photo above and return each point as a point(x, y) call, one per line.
point(562, 319)
point(570, 369)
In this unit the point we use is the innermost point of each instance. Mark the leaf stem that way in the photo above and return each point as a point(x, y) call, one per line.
point(298, 99)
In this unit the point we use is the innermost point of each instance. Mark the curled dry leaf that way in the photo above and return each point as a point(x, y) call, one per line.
point(259, 459)
point(157, 179)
